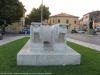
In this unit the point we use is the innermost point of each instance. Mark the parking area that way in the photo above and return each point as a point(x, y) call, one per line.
point(94, 39)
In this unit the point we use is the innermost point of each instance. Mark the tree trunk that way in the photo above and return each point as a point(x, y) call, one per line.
point(3, 29)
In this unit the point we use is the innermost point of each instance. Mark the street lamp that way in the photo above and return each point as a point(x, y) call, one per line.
point(42, 12)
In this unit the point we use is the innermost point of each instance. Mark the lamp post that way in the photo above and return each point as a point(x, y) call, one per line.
point(42, 13)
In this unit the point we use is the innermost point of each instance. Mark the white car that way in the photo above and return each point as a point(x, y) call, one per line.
point(80, 31)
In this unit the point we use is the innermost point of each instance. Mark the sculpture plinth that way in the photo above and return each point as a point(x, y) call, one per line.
point(47, 47)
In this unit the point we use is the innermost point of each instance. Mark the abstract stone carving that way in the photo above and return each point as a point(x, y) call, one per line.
point(47, 47)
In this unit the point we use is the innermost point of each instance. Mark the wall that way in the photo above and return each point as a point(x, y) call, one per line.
point(86, 19)
point(54, 20)
point(14, 28)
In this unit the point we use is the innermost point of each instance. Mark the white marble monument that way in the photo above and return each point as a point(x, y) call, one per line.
point(47, 47)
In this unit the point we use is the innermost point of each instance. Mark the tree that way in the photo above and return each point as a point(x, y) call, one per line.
point(27, 21)
point(35, 15)
point(10, 12)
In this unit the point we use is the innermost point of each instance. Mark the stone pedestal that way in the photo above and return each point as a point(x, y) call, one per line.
point(61, 55)
point(47, 47)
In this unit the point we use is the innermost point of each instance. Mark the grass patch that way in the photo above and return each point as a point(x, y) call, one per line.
point(90, 62)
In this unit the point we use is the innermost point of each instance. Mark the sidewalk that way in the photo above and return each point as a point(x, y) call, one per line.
point(10, 38)
point(89, 45)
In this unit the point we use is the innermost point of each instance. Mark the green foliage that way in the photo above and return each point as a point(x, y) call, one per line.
point(27, 21)
point(10, 11)
point(90, 61)
point(35, 15)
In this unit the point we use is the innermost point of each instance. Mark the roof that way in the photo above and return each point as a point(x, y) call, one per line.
point(81, 19)
point(64, 15)
point(90, 12)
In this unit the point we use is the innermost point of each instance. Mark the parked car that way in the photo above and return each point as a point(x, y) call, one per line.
point(97, 29)
point(77, 31)
point(73, 31)
point(80, 31)
point(23, 31)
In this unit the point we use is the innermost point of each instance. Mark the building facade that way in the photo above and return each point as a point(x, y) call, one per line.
point(91, 15)
point(71, 20)
point(82, 25)
point(97, 23)
point(22, 20)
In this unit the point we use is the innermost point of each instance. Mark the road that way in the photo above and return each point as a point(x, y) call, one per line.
point(93, 39)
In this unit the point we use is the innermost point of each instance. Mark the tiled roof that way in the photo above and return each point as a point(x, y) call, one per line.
point(64, 15)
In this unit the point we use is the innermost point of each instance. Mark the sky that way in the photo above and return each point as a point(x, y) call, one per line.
point(73, 7)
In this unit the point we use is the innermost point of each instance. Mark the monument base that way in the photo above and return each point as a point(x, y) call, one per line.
point(61, 55)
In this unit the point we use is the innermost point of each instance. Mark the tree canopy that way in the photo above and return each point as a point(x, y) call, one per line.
point(35, 15)
point(10, 11)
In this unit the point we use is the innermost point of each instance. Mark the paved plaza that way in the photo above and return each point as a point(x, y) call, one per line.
point(10, 38)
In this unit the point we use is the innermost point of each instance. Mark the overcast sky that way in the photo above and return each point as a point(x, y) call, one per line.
point(73, 7)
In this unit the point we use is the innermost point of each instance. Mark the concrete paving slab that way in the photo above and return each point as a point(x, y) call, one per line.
point(66, 56)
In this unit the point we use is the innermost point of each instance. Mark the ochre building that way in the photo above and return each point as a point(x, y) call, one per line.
point(71, 20)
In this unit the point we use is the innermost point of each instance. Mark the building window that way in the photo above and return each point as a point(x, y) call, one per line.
point(75, 22)
point(50, 22)
point(58, 20)
point(53, 21)
point(67, 21)
point(86, 17)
